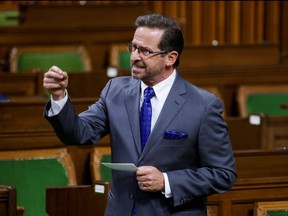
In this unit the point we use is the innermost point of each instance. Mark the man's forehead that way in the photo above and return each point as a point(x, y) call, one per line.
point(147, 36)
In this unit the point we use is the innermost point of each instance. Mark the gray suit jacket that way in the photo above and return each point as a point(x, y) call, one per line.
point(198, 161)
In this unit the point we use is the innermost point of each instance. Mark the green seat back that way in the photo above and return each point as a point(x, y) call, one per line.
point(105, 172)
point(278, 213)
point(9, 18)
point(31, 177)
point(67, 61)
point(268, 103)
point(124, 60)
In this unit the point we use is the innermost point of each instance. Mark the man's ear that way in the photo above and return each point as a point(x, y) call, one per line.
point(171, 58)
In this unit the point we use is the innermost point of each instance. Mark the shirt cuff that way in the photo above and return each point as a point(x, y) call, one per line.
point(167, 191)
point(56, 106)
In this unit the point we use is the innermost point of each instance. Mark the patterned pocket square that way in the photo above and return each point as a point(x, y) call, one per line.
point(175, 135)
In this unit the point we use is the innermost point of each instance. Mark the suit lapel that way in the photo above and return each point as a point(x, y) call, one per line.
point(132, 98)
point(172, 105)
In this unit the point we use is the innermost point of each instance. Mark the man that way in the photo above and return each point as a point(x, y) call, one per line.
point(188, 154)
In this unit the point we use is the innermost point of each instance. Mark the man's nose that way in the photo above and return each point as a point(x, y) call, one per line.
point(135, 56)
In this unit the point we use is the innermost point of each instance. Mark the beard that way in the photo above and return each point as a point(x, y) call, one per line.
point(141, 71)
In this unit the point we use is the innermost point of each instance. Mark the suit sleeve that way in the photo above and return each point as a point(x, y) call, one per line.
point(84, 129)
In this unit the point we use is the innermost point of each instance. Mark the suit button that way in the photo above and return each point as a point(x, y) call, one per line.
point(131, 196)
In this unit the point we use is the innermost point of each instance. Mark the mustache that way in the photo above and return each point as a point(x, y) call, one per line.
point(138, 64)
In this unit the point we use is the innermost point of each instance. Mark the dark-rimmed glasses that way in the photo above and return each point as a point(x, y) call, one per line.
point(141, 50)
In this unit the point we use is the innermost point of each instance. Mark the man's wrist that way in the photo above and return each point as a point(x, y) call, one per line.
point(59, 97)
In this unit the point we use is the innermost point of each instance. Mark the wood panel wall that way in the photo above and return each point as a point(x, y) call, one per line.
point(228, 22)
point(204, 22)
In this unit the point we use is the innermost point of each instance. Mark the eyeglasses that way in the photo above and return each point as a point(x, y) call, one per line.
point(141, 50)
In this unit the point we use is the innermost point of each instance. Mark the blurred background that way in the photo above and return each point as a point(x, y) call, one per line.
point(234, 49)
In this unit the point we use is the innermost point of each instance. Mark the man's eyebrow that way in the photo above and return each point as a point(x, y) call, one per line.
point(142, 47)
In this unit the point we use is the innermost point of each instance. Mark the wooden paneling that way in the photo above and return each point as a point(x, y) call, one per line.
point(284, 32)
point(254, 137)
point(8, 200)
point(273, 21)
point(259, 23)
point(262, 176)
point(20, 84)
point(87, 84)
point(194, 27)
point(248, 55)
point(277, 132)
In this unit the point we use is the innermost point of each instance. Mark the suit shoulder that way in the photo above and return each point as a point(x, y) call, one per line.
point(118, 85)
point(199, 91)
point(124, 81)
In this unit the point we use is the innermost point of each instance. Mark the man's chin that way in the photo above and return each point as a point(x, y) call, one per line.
point(136, 75)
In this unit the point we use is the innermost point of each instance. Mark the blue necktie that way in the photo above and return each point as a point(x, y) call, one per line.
point(146, 115)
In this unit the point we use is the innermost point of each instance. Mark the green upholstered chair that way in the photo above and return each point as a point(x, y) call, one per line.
point(271, 100)
point(119, 57)
point(277, 213)
point(124, 60)
point(9, 18)
point(68, 58)
point(271, 104)
point(32, 171)
point(98, 171)
point(271, 208)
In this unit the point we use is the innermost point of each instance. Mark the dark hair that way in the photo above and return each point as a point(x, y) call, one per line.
point(172, 38)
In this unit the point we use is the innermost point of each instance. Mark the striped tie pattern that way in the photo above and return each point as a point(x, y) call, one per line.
point(146, 115)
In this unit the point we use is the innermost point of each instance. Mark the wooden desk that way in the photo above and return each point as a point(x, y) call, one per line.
point(77, 200)
point(244, 135)
point(25, 114)
point(262, 176)
point(276, 132)
point(24, 84)
point(271, 132)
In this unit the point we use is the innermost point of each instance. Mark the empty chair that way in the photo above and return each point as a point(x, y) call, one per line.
point(99, 171)
point(119, 56)
point(118, 60)
point(271, 208)
point(270, 100)
point(32, 171)
point(9, 17)
point(68, 58)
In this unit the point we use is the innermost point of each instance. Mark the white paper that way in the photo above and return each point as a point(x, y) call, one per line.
point(121, 166)
point(254, 120)
point(99, 188)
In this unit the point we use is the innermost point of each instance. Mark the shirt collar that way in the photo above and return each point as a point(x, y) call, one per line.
point(161, 87)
